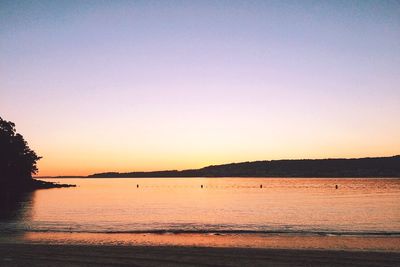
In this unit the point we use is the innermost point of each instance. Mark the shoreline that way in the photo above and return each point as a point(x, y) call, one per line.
point(256, 241)
point(39, 184)
point(117, 255)
point(29, 185)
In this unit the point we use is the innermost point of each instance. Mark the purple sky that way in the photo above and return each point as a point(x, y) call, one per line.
point(146, 85)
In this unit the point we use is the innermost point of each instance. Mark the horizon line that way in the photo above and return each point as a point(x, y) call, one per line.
point(285, 159)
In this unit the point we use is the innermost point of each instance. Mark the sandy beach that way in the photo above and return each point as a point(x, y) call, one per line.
point(85, 255)
point(84, 249)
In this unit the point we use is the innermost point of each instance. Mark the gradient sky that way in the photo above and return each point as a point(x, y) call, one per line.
point(146, 85)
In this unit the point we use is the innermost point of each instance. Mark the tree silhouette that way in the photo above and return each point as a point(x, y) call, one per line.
point(17, 160)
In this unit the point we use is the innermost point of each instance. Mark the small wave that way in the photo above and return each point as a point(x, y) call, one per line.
point(221, 232)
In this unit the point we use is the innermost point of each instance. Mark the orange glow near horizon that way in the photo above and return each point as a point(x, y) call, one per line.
point(151, 144)
point(196, 142)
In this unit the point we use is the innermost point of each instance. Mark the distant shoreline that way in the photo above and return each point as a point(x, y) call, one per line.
point(378, 167)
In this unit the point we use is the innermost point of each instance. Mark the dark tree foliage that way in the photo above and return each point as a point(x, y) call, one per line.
point(17, 160)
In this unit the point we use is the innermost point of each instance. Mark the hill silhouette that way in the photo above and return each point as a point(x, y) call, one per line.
point(357, 167)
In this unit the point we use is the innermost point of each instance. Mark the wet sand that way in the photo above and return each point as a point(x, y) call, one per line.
point(270, 241)
point(96, 255)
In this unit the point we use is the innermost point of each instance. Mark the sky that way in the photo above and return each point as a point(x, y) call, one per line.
point(97, 86)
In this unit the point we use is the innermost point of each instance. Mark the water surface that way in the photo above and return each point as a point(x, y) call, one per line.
point(223, 205)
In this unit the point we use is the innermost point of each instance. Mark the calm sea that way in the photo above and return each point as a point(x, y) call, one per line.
point(210, 205)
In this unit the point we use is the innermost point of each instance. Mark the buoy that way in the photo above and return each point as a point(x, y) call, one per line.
point(137, 186)
point(201, 186)
point(260, 185)
point(336, 186)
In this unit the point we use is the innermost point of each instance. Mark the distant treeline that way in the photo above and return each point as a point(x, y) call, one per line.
point(362, 167)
